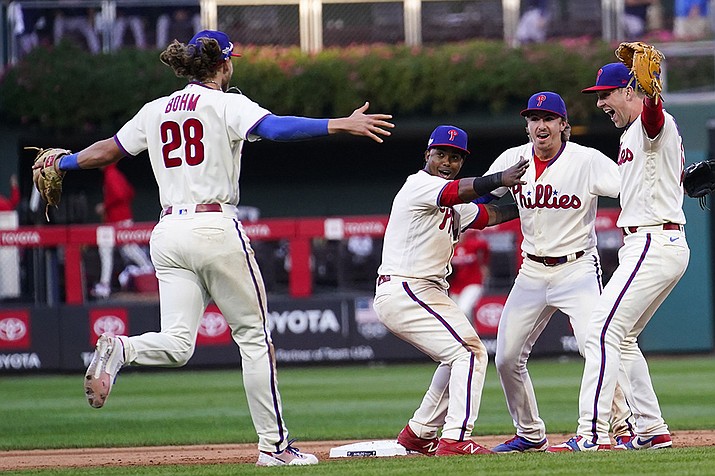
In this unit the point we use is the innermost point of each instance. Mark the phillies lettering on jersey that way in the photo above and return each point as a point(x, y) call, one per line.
point(544, 197)
point(624, 155)
point(562, 200)
point(652, 191)
point(452, 217)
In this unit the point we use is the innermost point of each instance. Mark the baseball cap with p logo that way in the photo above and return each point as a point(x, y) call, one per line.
point(222, 38)
point(546, 101)
point(448, 136)
point(611, 76)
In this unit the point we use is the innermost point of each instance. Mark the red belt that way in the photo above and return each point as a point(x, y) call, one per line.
point(382, 279)
point(553, 261)
point(629, 230)
point(200, 208)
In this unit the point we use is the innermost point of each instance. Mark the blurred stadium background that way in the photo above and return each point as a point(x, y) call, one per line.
point(317, 225)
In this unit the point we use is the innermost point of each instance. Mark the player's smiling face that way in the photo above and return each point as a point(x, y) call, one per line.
point(545, 129)
point(614, 103)
point(445, 162)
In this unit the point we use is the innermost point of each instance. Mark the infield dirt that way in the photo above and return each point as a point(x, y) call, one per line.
point(228, 453)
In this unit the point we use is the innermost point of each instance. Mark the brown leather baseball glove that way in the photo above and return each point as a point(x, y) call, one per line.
point(47, 176)
point(644, 62)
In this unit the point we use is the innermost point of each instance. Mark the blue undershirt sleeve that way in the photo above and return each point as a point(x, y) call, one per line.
point(485, 199)
point(290, 128)
point(69, 162)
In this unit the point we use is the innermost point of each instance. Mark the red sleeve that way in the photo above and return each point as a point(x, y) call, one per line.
point(482, 218)
point(449, 196)
point(652, 117)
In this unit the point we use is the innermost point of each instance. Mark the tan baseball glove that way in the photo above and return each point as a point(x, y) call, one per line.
point(644, 62)
point(47, 176)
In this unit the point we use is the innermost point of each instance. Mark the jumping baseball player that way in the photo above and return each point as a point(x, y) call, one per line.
point(199, 248)
point(652, 260)
point(428, 214)
point(561, 269)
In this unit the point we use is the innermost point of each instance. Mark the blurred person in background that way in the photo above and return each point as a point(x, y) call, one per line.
point(470, 270)
point(691, 20)
point(534, 22)
point(178, 24)
point(635, 18)
point(73, 19)
point(132, 18)
point(9, 203)
point(116, 210)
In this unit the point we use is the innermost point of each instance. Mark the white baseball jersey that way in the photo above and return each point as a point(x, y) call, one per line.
point(194, 138)
point(411, 301)
point(173, 129)
point(421, 235)
point(558, 215)
point(651, 262)
point(653, 186)
point(558, 209)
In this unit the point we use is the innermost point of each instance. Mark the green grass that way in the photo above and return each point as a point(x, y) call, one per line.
point(683, 461)
point(349, 402)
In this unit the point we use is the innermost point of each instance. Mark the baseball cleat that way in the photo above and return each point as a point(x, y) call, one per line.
point(290, 456)
point(465, 447)
point(412, 442)
point(622, 440)
point(656, 442)
point(577, 443)
point(106, 362)
point(519, 444)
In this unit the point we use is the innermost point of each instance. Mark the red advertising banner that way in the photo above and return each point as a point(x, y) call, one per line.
point(487, 314)
point(213, 329)
point(15, 329)
point(113, 321)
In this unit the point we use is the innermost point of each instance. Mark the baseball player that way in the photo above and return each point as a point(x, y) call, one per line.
point(428, 215)
point(652, 260)
point(561, 269)
point(199, 248)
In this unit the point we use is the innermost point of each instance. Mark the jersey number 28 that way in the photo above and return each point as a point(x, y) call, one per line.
point(187, 135)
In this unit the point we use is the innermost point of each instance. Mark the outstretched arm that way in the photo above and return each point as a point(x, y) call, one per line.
point(292, 128)
point(467, 189)
point(361, 124)
point(99, 154)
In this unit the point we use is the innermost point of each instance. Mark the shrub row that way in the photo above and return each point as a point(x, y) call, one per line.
point(65, 88)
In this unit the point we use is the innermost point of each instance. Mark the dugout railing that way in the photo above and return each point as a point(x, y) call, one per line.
point(48, 265)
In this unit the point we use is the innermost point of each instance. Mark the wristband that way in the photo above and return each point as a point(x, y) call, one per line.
point(484, 185)
point(69, 162)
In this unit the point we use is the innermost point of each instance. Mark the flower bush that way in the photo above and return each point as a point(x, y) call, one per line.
point(65, 88)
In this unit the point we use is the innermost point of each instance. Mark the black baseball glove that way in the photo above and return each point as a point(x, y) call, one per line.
point(699, 180)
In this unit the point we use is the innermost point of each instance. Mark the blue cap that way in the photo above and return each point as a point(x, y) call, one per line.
point(448, 136)
point(546, 101)
point(222, 38)
point(611, 76)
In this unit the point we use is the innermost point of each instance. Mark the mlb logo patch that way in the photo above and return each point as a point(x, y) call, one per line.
point(183, 211)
